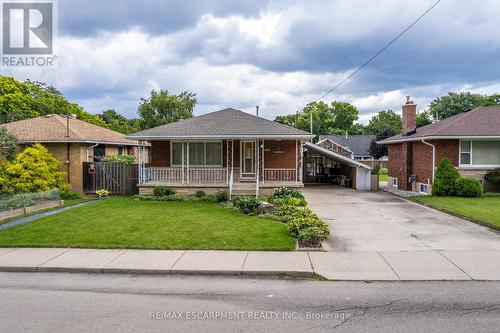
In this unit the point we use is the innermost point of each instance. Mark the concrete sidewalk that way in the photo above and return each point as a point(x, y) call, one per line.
point(363, 266)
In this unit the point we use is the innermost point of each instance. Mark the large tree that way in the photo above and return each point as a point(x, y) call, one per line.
point(162, 108)
point(334, 118)
point(22, 100)
point(455, 103)
point(383, 120)
point(119, 123)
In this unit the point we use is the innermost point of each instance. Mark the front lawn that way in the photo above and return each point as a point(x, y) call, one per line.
point(128, 223)
point(485, 210)
point(383, 178)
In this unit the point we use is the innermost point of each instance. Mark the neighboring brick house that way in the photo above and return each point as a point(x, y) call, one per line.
point(226, 149)
point(72, 142)
point(471, 140)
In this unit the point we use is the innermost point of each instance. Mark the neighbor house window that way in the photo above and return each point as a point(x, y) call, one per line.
point(424, 188)
point(200, 153)
point(121, 150)
point(395, 182)
point(479, 153)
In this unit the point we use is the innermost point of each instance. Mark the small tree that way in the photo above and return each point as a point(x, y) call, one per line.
point(445, 178)
point(8, 144)
point(33, 170)
point(377, 151)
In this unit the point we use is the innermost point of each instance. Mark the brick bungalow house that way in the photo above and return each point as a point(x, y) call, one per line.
point(471, 140)
point(226, 149)
point(72, 142)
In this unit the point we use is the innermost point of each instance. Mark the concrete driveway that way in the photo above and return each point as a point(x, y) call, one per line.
point(378, 221)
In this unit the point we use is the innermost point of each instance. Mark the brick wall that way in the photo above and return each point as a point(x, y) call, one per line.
point(286, 159)
point(73, 169)
point(160, 153)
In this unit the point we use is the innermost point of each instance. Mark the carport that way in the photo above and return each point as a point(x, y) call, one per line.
point(323, 166)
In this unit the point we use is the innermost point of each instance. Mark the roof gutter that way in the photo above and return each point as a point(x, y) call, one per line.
point(441, 137)
point(232, 136)
point(433, 157)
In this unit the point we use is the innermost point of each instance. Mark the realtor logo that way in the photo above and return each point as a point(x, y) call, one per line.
point(28, 28)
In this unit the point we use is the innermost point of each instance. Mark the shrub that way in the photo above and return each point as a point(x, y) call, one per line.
point(299, 202)
point(33, 170)
point(17, 201)
point(383, 171)
point(376, 169)
point(221, 196)
point(444, 179)
point(311, 237)
point(493, 176)
point(102, 193)
point(287, 192)
point(8, 144)
point(200, 194)
point(295, 226)
point(163, 198)
point(67, 195)
point(247, 204)
point(161, 191)
point(127, 159)
point(468, 187)
point(288, 213)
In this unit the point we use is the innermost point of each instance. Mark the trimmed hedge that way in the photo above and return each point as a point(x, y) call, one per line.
point(468, 187)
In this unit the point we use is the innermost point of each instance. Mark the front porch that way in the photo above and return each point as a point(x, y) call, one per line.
point(253, 166)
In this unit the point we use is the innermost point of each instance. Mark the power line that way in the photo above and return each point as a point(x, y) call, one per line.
point(378, 53)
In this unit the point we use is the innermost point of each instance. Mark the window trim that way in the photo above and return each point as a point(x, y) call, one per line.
point(185, 151)
point(471, 165)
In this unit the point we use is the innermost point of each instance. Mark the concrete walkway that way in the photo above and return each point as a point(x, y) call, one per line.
point(364, 266)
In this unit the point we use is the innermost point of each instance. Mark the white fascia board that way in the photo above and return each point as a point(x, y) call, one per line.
point(443, 137)
point(83, 141)
point(232, 137)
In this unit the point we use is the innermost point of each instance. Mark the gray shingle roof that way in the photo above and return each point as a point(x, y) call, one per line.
point(481, 121)
point(358, 144)
point(226, 123)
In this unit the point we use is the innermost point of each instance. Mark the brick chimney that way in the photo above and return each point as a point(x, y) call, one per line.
point(409, 117)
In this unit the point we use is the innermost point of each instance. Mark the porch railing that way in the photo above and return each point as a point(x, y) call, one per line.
point(208, 176)
point(280, 175)
point(163, 175)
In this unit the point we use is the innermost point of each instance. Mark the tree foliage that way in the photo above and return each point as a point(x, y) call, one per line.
point(8, 144)
point(162, 108)
point(119, 123)
point(383, 120)
point(333, 118)
point(424, 118)
point(33, 170)
point(377, 150)
point(29, 99)
point(455, 103)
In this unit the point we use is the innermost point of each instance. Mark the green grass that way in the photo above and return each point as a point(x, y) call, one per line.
point(69, 202)
point(485, 210)
point(383, 178)
point(128, 223)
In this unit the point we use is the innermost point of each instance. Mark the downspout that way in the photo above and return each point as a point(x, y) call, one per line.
point(433, 157)
point(97, 144)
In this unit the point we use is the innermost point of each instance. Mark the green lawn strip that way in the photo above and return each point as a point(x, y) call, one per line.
point(70, 202)
point(484, 210)
point(128, 223)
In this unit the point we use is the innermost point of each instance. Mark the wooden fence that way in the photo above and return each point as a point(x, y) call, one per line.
point(117, 178)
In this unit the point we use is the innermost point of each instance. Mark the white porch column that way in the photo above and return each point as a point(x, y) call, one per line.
point(187, 162)
point(182, 163)
point(301, 165)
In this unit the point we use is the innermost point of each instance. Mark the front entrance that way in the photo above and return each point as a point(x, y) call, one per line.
point(247, 160)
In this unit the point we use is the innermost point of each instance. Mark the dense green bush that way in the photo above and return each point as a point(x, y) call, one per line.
point(247, 204)
point(376, 169)
point(161, 191)
point(67, 195)
point(200, 194)
point(221, 196)
point(291, 201)
point(493, 176)
point(383, 171)
point(468, 187)
point(296, 225)
point(288, 213)
point(287, 192)
point(312, 237)
point(444, 179)
point(17, 201)
point(160, 198)
point(127, 159)
point(33, 170)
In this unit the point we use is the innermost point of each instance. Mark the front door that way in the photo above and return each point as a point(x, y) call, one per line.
point(248, 159)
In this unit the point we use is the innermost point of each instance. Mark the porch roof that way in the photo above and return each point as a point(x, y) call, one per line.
point(336, 156)
point(222, 124)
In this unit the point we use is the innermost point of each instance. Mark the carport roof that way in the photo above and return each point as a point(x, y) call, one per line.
point(336, 156)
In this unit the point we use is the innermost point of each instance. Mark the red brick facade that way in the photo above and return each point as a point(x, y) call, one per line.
point(415, 158)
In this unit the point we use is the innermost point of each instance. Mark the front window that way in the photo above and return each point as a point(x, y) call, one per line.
point(200, 153)
point(424, 188)
point(480, 153)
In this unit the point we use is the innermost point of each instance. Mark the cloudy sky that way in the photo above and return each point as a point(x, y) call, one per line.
point(276, 54)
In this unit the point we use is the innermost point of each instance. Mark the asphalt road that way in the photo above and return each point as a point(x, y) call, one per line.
point(110, 303)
